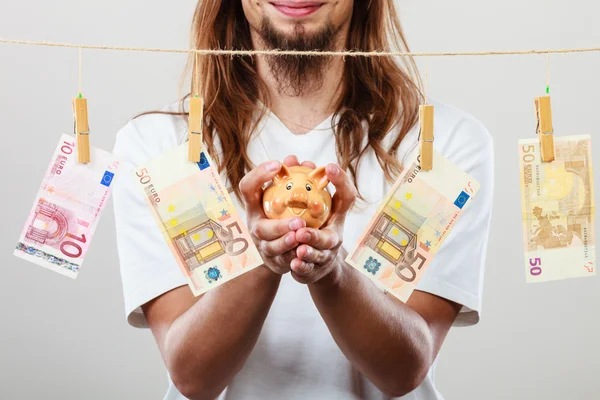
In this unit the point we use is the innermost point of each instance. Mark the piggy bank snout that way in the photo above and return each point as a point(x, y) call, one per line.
point(298, 196)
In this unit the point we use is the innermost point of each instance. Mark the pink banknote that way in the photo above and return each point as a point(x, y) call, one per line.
point(61, 223)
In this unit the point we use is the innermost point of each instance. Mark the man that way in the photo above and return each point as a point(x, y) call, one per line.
point(304, 325)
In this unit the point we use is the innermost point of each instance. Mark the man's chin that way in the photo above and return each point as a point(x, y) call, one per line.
point(297, 75)
point(299, 33)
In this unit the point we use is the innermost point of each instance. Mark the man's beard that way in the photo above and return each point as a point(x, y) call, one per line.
point(297, 75)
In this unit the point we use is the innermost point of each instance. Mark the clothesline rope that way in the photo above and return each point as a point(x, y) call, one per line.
point(304, 53)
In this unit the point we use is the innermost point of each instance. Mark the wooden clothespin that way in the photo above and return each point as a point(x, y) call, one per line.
point(545, 131)
point(82, 129)
point(195, 128)
point(426, 136)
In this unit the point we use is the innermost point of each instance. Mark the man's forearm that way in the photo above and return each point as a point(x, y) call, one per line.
point(211, 341)
point(385, 340)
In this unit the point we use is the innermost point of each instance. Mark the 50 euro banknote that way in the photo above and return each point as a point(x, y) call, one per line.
point(411, 225)
point(558, 209)
point(65, 213)
point(197, 218)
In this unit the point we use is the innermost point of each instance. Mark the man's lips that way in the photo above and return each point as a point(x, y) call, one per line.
point(296, 9)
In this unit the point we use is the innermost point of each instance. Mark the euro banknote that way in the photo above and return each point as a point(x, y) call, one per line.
point(558, 210)
point(65, 213)
point(197, 218)
point(411, 224)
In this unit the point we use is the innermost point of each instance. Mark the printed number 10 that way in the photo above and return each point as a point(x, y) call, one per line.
point(535, 264)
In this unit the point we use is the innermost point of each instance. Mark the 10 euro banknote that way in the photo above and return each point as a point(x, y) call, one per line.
point(197, 218)
point(558, 209)
point(411, 224)
point(60, 226)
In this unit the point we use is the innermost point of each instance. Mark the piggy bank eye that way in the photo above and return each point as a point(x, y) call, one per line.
point(289, 186)
point(308, 187)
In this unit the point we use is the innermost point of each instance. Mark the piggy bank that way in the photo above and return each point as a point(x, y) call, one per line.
point(299, 192)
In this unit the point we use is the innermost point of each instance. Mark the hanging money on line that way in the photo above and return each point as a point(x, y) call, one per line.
point(558, 210)
point(197, 218)
point(411, 224)
point(60, 226)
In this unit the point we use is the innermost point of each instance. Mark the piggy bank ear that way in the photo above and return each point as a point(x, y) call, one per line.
point(282, 175)
point(319, 176)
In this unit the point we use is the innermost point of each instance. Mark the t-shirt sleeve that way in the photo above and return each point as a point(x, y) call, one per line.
point(456, 272)
point(148, 268)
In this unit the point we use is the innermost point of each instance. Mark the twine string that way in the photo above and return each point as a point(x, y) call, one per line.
point(278, 52)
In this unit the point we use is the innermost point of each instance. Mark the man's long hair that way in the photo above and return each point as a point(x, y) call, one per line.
point(380, 91)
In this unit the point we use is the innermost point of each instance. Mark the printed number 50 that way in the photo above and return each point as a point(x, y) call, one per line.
point(144, 177)
point(528, 157)
point(227, 237)
point(535, 264)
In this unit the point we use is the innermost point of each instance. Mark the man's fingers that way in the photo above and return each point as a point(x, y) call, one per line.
point(301, 268)
point(345, 191)
point(251, 184)
point(271, 229)
point(292, 161)
point(279, 246)
point(282, 263)
point(320, 239)
point(309, 254)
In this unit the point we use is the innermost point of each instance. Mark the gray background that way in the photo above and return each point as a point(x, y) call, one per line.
point(64, 339)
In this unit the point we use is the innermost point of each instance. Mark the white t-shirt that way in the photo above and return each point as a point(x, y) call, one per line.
point(295, 356)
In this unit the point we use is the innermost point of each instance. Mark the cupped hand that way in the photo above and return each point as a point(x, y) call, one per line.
point(318, 252)
point(274, 238)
